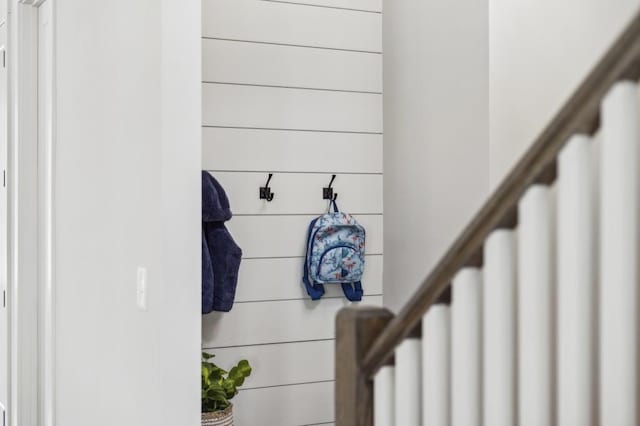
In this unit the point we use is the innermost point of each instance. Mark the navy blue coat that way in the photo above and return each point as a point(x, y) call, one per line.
point(220, 254)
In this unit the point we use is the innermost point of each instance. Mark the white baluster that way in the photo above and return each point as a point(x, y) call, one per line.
point(436, 371)
point(535, 321)
point(384, 396)
point(408, 394)
point(466, 348)
point(619, 253)
point(499, 325)
point(576, 285)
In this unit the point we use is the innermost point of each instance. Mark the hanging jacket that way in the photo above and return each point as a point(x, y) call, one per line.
point(207, 276)
point(220, 254)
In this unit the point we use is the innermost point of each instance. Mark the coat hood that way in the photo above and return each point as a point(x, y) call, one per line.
point(215, 204)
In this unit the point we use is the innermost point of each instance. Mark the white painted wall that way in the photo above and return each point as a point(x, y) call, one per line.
point(451, 79)
point(4, 220)
point(436, 122)
point(127, 193)
point(540, 50)
point(293, 89)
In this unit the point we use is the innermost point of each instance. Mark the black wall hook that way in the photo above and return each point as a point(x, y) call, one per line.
point(327, 193)
point(265, 191)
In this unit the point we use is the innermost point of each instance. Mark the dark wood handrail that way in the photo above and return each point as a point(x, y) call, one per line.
point(579, 115)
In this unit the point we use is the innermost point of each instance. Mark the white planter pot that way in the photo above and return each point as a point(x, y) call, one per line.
point(218, 418)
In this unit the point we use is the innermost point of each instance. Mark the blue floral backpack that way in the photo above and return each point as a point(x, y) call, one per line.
point(335, 254)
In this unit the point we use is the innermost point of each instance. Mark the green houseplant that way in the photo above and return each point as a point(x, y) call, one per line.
point(218, 388)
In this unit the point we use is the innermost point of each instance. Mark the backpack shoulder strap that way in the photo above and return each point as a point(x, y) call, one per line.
point(315, 290)
point(353, 291)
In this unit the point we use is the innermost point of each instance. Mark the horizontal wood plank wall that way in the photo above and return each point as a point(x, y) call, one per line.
point(284, 151)
point(292, 24)
point(265, 236)
point(301, 193)
point(292, 88)
point(290, 66)
point(285, 405)
point(278, 108)
point(284, 363)
point(275, 322)
point(361, 5)
point(254, 284)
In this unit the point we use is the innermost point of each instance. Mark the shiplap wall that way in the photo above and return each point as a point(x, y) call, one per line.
point(293, 88)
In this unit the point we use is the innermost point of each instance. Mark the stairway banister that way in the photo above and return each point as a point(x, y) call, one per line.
point(579, 115)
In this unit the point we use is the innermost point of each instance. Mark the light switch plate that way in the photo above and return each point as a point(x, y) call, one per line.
point(141, 289)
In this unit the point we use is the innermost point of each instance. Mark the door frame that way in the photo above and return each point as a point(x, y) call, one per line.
point(31, 273)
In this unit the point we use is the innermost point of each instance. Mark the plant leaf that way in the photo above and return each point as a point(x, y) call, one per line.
point(217, 392)
point(240, 372)
point(245, 368)
point(218, 385)
point(229, 387)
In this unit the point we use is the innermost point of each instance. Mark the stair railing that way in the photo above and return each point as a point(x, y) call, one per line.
point(370, 340)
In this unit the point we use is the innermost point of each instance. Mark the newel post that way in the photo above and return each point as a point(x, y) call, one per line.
point(356, 330)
